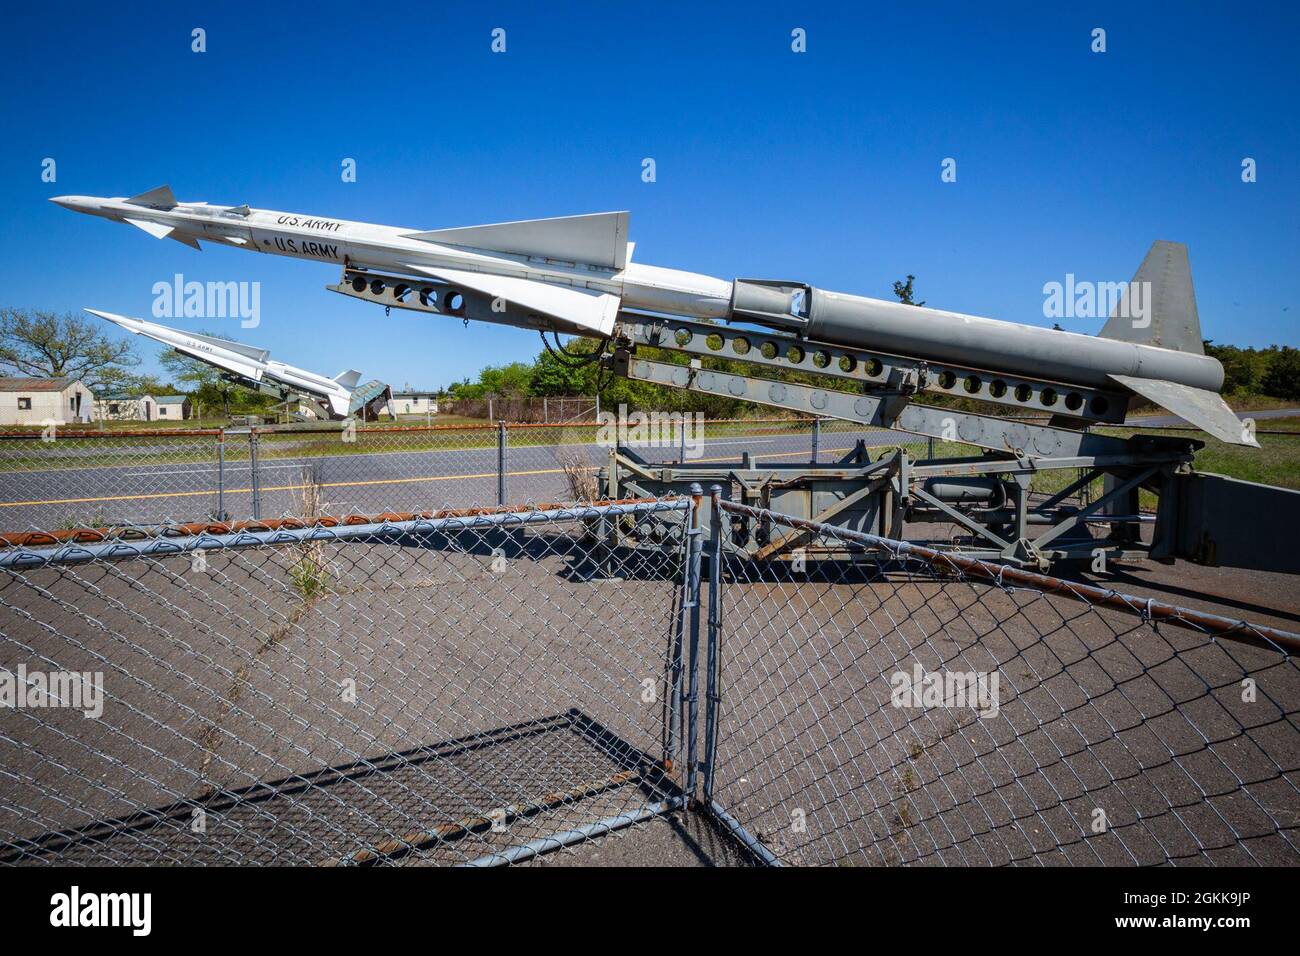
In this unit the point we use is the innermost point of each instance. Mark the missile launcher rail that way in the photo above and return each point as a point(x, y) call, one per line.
point(986, 496)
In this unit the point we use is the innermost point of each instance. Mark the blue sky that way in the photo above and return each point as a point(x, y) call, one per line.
point(822, 166)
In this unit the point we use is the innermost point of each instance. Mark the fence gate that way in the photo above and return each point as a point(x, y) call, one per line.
point(454, 689)
point(872, 702)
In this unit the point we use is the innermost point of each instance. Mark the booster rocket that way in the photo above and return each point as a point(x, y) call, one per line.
point(575, 275)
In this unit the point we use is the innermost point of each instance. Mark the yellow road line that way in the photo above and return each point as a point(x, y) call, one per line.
point(341, 484)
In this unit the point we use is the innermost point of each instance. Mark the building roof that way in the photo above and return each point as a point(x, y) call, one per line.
point(172, 399)
point(34, 384)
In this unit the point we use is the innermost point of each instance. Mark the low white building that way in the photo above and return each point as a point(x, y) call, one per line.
point(172, 408)
point(118, 407)
point(412, 403)
point(40, 401)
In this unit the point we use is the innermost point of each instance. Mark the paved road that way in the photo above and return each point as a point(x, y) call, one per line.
point(141, 491)
point(1156, 420)
point(144, 492)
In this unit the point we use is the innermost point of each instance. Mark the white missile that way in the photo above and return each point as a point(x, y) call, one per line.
point(339, 397)
point(574, 274)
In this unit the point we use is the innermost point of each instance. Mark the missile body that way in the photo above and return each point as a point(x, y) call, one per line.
point(975, 341)
point(248, 362)
point(574, 274)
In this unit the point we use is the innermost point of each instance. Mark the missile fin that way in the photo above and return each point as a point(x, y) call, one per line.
point(1159, 306)
point(588, 309)
point(1200, 407)
point(599, 239)
point(155, 229)
point(349, 378)
point(161, 197)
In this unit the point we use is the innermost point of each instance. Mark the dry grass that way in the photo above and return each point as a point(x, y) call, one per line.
point(579, 474)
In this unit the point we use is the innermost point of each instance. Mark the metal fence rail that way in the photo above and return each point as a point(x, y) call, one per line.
point(451, 689)
point(913, 707)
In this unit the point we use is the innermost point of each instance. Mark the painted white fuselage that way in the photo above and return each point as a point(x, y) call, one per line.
point(247, 362)
point(362, 245)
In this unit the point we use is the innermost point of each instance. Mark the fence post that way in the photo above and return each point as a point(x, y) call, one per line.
point(711, 696)
point(501, 462)
point(816, 438)
point(221, 474)
point(252, 469)
point(694, 553)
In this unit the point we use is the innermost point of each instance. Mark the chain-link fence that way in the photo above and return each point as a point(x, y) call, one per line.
point(482, 686)
point(460, 689)
point(75, 479)
point(874, 702)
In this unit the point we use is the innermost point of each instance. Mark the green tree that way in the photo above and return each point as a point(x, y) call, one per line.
point(1282, 380)
point(904, 291)
point(49, 345)
point(557, 375)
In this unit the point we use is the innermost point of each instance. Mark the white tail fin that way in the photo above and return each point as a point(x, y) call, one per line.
point(348, 379)
point(599, 239)
point(588, 311)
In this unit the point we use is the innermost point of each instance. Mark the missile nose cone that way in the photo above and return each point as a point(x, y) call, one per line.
point(77, 203)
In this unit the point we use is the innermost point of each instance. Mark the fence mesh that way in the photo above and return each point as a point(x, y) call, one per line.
point(890, 708)
point(442, 691)
point(73, 479)
point(482, 687)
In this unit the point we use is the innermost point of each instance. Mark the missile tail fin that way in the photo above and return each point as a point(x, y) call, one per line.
point(161, 197)
point(588, 312)
point(599, 239)
point(349, 378)
point(159, 231)
point(1197, 406)
point(1159, 306)
point(155, 229)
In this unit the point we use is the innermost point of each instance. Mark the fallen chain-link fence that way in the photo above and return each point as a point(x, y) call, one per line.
point(484, 686)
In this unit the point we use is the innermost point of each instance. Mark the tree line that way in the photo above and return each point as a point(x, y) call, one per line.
point(46, 344)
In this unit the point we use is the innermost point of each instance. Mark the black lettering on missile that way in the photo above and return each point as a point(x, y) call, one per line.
point(285, 245)
point(320, 249)
point(325, 225)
